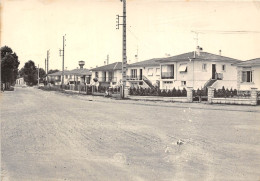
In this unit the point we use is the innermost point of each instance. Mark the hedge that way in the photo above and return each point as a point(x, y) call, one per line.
point(158, 92)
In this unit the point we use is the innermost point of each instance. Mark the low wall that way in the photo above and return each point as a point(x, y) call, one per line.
point(158, 98)
point(252, 100)
point(241, 101)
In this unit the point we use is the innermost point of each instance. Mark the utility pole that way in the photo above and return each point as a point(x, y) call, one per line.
point(48, 53)
point(38, 76)
point(124, 58)
point(45, 69)
point(62, 53)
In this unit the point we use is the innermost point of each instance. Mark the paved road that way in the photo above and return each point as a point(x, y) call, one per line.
point(53, 137)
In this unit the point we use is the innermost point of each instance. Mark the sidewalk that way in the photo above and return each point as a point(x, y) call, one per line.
point(194, 105)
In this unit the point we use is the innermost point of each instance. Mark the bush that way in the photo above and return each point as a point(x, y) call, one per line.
point(157, 92)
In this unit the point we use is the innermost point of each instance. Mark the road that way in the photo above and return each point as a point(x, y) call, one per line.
point(48, 136)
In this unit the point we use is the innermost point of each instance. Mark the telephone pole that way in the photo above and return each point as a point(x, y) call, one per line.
point(38, 76)
point(124, 58)
point(62, 53)
point(48, 53)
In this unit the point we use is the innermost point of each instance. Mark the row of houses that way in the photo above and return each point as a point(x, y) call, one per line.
point(197, 69)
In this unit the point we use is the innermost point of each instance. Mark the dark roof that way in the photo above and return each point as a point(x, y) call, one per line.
point(112, 66)
point(252, 62)
point(151, 62)
point(203, 56)
point(73, 72)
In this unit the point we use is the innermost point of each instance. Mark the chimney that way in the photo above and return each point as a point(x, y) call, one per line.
point(104, 62)
point(198, 50)
point(107, 59)
point(81, 64)
point(220, 52)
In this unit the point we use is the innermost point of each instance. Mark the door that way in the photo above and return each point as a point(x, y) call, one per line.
point(213, 71)
point(141, 74)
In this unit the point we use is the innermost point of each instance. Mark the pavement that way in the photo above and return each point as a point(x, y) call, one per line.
point(55, 136)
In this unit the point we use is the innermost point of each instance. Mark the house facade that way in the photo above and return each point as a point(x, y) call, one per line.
point(198, 69)
point(76, 76)
point(248, 74)
point(144, 74)
point(108, 75)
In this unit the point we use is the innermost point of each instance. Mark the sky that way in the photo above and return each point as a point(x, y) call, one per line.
point(155, 28)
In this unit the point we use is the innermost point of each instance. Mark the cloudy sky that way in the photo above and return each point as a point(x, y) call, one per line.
point(154, 28)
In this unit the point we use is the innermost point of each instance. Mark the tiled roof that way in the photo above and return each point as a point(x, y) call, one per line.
point(252, 62)
point(151, 62)
point(112, 66)
point(203, 56)
point(73, 72)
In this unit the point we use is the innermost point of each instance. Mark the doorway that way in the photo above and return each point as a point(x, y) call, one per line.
point(213, 71)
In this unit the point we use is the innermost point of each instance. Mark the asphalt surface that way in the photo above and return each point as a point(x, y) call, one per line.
point(52, 137)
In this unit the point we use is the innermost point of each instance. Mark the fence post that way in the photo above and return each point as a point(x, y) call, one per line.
point(189, 94)
point(126, 92)
point(210, 94)
point(253, 97)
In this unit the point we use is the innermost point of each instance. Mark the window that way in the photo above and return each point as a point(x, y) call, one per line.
point(133, 73)
point(223, 68)
point(183, 83)
point(204, 67)
point(167, 71)
point(150, 71)
point(158, 71)
point(183, 68)
point(246, 76)
point(66, 76)
point(96, 74)
point(70, 76)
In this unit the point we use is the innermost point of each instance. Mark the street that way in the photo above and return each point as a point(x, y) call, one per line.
point(50, 136)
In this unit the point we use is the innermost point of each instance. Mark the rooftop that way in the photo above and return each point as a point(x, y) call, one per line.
point(77, 72)
point(150, 62)
point(112, 66)
point(252, 62)
point(203, 56)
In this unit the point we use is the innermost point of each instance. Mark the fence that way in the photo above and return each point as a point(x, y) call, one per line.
point(225, 96)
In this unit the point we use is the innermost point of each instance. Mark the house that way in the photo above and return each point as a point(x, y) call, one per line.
point(20, 81)
point(144, 74)
point(198, 69)
point(76, 76)
point(248, 74)
point(108, 75)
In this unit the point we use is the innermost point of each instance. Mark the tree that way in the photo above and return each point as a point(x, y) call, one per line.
point(29, 73)
point(9, 65)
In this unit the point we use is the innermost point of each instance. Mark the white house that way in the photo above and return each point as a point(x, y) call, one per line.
point(143, 74)
point(76, 76)
point(248, 74)
point(108, 75)
point(198, 69)
point(20, 81)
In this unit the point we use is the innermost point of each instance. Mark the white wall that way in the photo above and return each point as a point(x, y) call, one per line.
point(153, 77)
point(255, 80)
point(196, 77)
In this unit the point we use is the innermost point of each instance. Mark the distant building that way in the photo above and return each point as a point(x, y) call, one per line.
point(108, 75)
point(248, 74)
point(20, 81)
point(76, 76)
